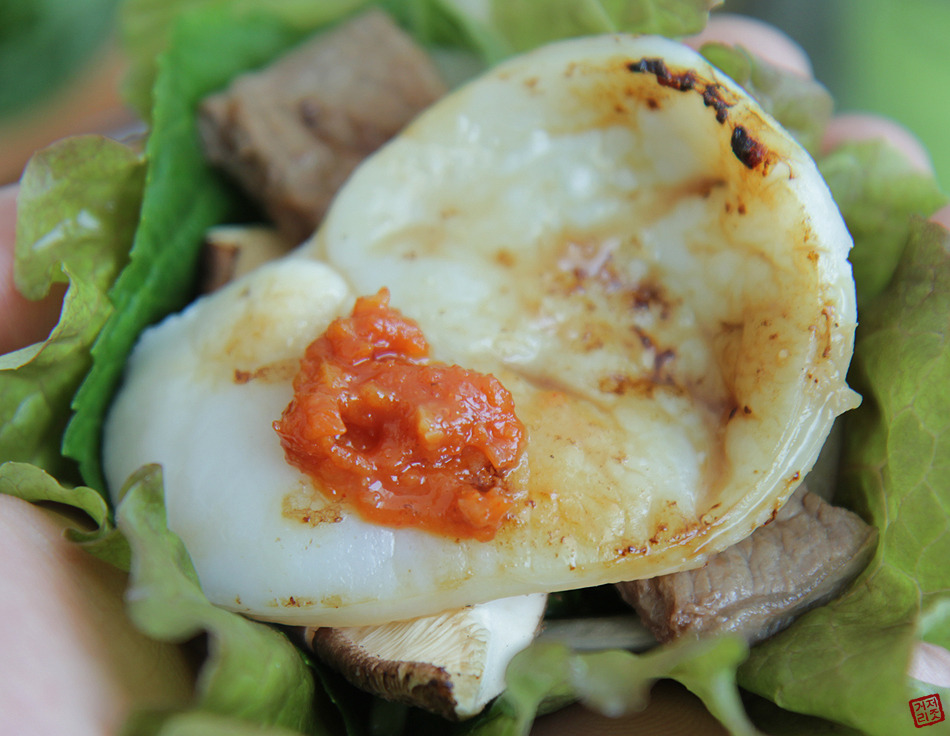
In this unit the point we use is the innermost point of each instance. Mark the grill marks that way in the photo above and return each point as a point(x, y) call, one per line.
point(591, 274)
point(747, 149)
point(683, 81)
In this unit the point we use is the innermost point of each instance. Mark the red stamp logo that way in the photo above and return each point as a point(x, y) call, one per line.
point(926, 710)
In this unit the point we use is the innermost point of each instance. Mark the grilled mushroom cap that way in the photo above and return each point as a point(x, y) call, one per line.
point(451, 664)
point(230, 251)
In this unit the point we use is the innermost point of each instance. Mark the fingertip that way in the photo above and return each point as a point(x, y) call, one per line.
point(8, 195)
point(22, 321)
point(942, 217)
point(866, 126)
point(762, 39)
point(930, 664)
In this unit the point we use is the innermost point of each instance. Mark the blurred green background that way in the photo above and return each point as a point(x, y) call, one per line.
point(44, 43)
point(885, 56)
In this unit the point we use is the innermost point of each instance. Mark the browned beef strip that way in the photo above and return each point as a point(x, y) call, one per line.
point(803, 558)
point(291, 133)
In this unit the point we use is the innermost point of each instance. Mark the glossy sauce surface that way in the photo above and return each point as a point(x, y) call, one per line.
point(406, 441)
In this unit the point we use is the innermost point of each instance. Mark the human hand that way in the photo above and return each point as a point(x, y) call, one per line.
point(72, 660)
point(68, 627)
point(23, 321)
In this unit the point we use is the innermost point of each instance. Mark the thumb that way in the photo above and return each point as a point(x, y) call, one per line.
point(22, 321)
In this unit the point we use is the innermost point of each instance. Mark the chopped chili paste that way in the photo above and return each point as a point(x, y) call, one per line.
point(405, 440)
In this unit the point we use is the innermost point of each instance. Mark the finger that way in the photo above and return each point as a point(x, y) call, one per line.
point(22, 321)
point(73, 662)
point(762, 39)
point(865, 126)
point(942, 217)
point(931, 663)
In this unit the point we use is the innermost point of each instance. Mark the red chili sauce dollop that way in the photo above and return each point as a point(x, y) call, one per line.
point(407, 441)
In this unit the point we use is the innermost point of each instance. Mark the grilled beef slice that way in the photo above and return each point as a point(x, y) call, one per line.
point(803, 558)
point(290, 134)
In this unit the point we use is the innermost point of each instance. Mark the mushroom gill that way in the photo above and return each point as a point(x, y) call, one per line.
point(452, 664)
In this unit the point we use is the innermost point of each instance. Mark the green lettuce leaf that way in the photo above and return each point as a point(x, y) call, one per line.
point(439, 25)
point(617, 682)
point(497, 29)
point(201, 50)
point(147, 27)
point(183, 197)
point(811, 668)
point(802, 105)
point(847, 661)
point(777, 721)
point(33, 484)
point(494, 29)
point(526, 24)
point(199, 723)
point(878, 192)
point(253, 674)
point(454, 26)
point(78, 207)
